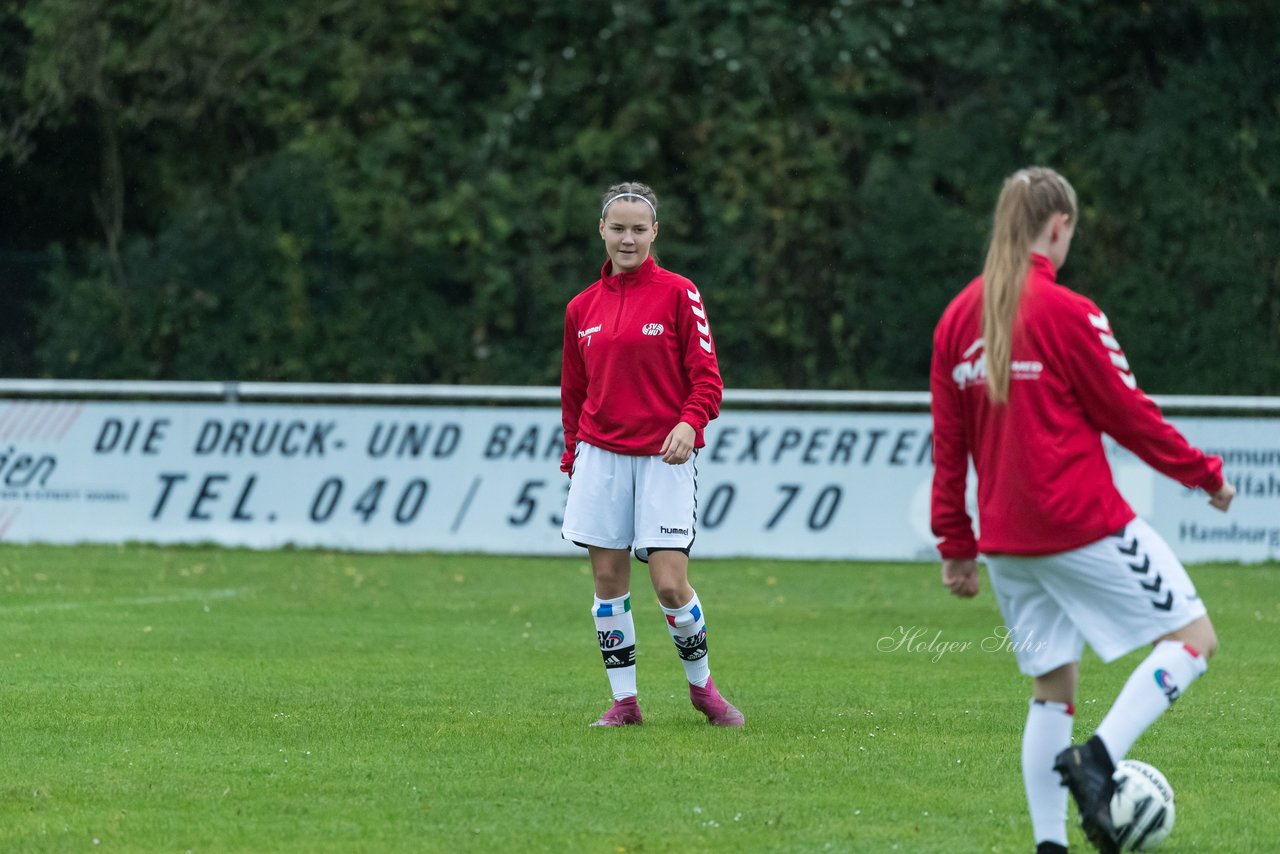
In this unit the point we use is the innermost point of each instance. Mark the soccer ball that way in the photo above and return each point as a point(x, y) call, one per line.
point(1142, 806)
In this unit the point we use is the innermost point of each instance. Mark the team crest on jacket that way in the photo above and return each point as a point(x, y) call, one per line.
point(973, 370)
point(970, 371)
point(652, 329)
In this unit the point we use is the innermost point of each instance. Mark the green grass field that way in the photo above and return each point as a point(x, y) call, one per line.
point(213, 700)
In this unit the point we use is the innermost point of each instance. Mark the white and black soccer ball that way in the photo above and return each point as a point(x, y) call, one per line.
point(1142, 806)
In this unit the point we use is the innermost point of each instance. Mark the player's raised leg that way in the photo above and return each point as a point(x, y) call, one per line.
point(1151, 689)
point(1172, 613)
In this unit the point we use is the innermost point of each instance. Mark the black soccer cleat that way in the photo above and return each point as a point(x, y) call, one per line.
point(1086, 770)
point(1051, 848)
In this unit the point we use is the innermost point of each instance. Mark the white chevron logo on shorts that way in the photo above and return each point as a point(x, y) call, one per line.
point(704, 328)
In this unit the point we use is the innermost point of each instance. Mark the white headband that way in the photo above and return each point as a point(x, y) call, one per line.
point(604, 209)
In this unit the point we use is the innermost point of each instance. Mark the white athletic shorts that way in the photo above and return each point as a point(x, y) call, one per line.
point(1119, 593)
point(622, 502)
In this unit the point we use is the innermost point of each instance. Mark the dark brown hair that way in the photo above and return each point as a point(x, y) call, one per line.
point(629, 189)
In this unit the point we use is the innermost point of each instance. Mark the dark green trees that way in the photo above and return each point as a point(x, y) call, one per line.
point(407, 191)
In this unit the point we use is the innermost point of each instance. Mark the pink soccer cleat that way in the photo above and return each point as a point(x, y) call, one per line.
point(719, 711)
point(624, 712)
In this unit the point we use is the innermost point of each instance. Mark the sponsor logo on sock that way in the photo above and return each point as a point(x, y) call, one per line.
point(1170, 688)
point(693, 647)
point(692, 640)
point(619, 658)
point(610, 639)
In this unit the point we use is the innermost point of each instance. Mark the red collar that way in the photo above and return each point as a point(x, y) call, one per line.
point(1043, 265)
point(640, 274)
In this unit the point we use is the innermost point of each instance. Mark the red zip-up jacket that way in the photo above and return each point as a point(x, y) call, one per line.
point(638, 359)
point(1044, 484)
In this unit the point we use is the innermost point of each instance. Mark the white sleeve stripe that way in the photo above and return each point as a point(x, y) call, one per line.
point(1120, 361)
point(1109, 342)
point(1099, 321)
point(699, 313)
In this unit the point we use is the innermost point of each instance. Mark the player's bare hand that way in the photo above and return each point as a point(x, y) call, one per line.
point(1222, 498)
point(961, 577)
point(678, 446)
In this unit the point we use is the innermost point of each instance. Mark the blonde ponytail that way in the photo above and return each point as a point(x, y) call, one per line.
point(1029, 197)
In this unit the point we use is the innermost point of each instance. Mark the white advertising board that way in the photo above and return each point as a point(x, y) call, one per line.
point(486, 479)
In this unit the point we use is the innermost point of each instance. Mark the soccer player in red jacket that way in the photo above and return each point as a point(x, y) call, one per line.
point(1026, 377)
point(639, 384)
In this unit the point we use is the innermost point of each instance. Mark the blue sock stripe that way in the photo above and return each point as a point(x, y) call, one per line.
point(612, 608)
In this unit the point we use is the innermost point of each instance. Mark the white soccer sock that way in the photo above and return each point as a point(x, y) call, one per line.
point(689, 632)
point(1152, 687)
point(616, 632)
point(1048, 733)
